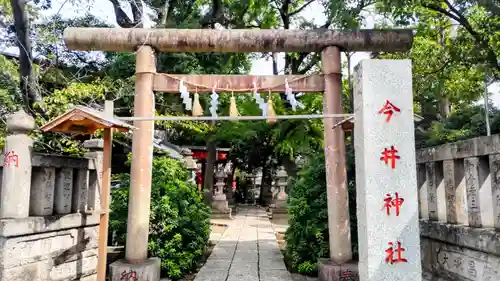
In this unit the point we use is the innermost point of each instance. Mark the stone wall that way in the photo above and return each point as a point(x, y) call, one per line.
point(459, 202)
point(58, 239)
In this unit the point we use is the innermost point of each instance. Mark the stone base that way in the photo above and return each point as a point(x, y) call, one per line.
point(329, 271)
point(221, 213)
point(220, 206)
point(221, 216)
point(279, 204)
point(279, 210)
point(275, 213)
point(149, 270)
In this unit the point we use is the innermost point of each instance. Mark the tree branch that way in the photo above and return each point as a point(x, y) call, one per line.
point(137, 12)
point(163, 14)
point(215, 16)
point(488, 5)
point(27, 79)
point(312, 62)
point(460, 18)
point(441, 10)
point(301, 8)
point(439, 69)
point(121, 17)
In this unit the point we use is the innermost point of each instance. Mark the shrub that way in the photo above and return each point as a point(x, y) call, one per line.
point(307, 235)
point(179, 221)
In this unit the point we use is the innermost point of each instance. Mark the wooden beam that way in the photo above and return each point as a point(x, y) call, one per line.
point(237, 40)
point(238, 83)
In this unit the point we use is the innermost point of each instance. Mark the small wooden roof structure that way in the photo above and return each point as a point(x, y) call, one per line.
point(84, 120)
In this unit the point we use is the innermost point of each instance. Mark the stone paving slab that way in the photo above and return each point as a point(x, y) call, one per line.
point(217, 265)
point(243, 259)
point(243, 277)
point(275, 275)
point(244, 268)
point(298, 277)
point(211, 276)
point(247, 251)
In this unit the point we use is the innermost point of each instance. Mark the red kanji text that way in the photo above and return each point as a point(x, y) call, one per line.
point(390, 202)
point(390, 155)
point(9, 158)
point(347, 276)
point(128, 276)
point(388, 109)
point(398, 251)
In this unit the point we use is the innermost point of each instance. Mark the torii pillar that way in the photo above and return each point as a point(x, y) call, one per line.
point(330, 42)
point(137, 264)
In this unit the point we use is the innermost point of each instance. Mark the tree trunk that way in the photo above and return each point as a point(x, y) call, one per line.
point(275, 63)
point(444, 107)
point(264, 186)
point(444, 104)
point(209, 168)
point(27, 73)
point(290, 166)
point(230, 177)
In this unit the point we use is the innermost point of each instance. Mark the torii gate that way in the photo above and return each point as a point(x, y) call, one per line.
point(146, 41)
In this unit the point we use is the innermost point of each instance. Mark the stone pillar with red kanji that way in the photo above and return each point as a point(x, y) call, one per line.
point(16, 178)
point(386, 182)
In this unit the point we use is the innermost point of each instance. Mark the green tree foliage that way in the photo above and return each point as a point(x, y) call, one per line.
point(454, 54)
point(478, 22)
point(307, 235)
point(443, 79)
point(464, 123)
point(179, 221)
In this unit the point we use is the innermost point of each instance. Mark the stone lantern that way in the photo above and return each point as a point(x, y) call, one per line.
point(220, 206)
point(250, 195)
point(279, 201)
point(190, 164)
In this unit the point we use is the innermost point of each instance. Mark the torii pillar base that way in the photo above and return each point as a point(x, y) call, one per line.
point(149, 270)
point(330, 271)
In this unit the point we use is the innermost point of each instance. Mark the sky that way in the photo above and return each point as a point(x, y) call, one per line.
point(314, 12)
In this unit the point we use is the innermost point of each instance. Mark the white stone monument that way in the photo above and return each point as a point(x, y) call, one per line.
point(386, 184)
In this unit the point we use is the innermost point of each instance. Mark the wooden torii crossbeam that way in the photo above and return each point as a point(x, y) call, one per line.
point(238, 83)
point(237, 40)
point(146, 41)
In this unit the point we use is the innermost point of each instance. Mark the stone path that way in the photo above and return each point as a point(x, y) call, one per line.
point(247, 251)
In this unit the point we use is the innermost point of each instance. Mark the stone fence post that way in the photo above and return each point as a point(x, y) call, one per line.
point(16, 178)
point(96, 157)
